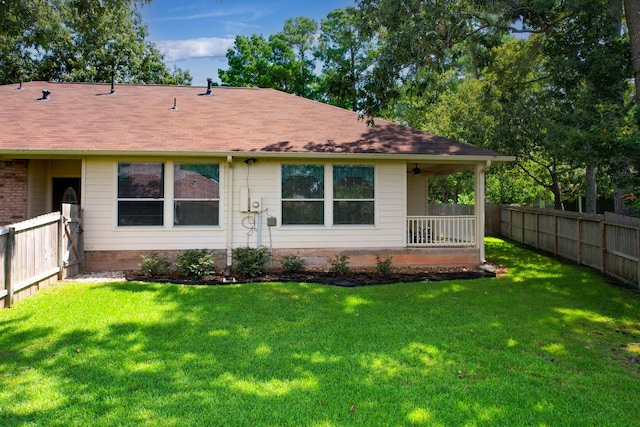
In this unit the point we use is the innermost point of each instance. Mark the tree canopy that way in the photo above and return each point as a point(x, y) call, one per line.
point(559, 98)
point(545, 80)
point(79, 40)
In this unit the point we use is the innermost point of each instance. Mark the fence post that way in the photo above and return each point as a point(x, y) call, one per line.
point(638, 263)
point(60, 246)
point(555, 235)
point(537, 230)
point(8, 258)
point(511, 223)
point(603, 245)
point(579, 239)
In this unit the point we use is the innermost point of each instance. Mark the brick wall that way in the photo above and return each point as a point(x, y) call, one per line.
point(13, 191)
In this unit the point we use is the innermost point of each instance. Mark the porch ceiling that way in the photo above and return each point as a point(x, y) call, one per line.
point(439, 169)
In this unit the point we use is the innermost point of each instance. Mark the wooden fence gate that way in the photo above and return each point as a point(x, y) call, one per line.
point(38, 252)
point(73, 255)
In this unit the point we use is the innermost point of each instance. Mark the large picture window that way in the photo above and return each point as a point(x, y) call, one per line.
point(353, 195)
point(303, 194)
point(140, 194)
point(196, 194)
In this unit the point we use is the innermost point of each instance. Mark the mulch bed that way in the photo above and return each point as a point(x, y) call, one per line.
point(355, 278)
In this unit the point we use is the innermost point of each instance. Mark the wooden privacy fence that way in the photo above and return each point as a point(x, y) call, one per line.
point(609, 242)
point(39, 251)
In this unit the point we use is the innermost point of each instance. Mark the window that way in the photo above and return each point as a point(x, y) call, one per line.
point(303, 194)
point(140, 194)
point(353, 195)
point(196, 194)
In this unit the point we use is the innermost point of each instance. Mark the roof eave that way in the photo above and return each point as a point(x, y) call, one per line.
point(53, 154)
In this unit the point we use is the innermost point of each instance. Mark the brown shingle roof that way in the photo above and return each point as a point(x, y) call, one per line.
point(84, 118)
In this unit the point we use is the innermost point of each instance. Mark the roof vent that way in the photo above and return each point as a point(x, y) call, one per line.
point(20, 87)
point(45, 95)
point(208, 92)
point(113, 82)
point(175, 105)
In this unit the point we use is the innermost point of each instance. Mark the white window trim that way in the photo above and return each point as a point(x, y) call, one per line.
point(118, 199)
point(180, 199)
point(328, 196)
point(168, 199)
point(374, 200)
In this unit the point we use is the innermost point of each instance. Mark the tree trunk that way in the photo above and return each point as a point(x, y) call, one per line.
point(619, 206)
point(557, 199)
point(591, 201)
point(474, 60)
point(632, 13)
point(555, 189)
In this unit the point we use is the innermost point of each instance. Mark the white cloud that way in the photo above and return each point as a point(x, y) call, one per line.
point(251, 14)
point(181, 50)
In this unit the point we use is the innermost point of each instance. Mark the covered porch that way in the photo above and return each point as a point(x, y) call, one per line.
point(444, 224)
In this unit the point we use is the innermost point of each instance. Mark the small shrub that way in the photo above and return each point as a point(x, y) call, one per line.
point(292, 263)
point(196, 263)
point(340, 264)
point(154, 264)
point(383, 265)
point(251, 262)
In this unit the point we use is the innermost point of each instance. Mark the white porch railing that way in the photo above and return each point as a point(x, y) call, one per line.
point(425, 231)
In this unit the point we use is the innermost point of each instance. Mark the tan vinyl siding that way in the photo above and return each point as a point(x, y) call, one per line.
point(38, 189)
point(264, 181)
point(102, 234)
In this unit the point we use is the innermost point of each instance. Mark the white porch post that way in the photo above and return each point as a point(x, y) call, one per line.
point(479, 208)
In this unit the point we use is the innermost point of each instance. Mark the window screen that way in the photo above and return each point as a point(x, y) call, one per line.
point(140, 194)
point(196, 194)
point(353, 195)
point(303, 194)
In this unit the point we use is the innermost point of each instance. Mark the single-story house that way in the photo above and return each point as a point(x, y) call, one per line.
point(170, 168)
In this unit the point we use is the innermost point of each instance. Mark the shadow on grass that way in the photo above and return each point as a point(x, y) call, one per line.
point(532, 347)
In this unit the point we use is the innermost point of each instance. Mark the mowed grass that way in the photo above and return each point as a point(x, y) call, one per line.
point(545, 345)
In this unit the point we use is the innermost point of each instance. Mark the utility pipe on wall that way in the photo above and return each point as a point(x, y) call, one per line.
point(229, 225)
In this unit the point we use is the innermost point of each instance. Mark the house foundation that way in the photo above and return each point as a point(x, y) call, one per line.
point(314, 259)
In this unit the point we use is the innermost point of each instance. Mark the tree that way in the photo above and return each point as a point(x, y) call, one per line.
point(249, 63)
point(80, 40)
point(578, 60)
point(257, 62)
point(632, 14)
point(346, 54)
point(588, 65)
point(28, 29)
point(273, 63)
point(421, 40)
point(300, 33)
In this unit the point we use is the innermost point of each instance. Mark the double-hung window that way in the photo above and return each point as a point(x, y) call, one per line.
point(302, 194)
point(140, 194)
point(196, 194)
point(353, 195)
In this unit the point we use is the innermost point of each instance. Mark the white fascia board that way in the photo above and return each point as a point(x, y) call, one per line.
point(48, 154)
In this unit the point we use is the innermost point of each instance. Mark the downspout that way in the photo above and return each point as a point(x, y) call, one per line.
point(229, 225)
point(480, 207)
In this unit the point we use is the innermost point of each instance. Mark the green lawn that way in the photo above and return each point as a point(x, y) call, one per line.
point(545, 345)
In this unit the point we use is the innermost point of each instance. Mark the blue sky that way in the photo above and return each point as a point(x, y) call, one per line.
point(195, 34)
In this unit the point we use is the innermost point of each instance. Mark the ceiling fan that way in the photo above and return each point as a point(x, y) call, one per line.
point(416, 170)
